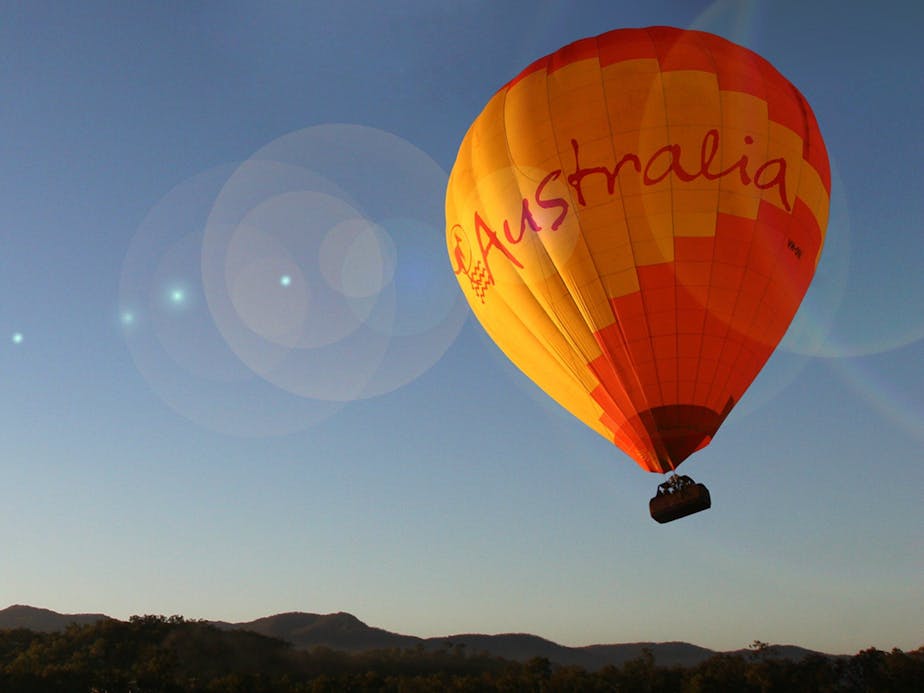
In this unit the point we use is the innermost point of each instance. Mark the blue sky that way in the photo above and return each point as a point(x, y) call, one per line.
point(156, 458)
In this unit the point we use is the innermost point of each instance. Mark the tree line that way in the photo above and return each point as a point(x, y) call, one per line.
point(157, 654)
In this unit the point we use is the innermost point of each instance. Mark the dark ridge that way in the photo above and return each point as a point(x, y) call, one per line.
point(344, 632)
point(43, 620)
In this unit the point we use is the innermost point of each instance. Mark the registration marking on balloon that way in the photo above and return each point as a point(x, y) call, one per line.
point(634, 220)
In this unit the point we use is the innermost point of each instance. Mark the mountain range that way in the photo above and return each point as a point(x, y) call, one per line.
point(344, 632)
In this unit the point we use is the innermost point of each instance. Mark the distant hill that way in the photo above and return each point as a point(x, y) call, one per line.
point(340, 631)
point(344, 632)
point(522, 647)
point(43, 620)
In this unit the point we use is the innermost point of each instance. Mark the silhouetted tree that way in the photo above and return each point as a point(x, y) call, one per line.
point(157, 654)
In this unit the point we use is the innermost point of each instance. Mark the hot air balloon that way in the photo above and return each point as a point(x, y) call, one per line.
point(634, 220)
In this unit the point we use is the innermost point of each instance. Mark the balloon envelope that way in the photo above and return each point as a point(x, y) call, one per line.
point(634, 219)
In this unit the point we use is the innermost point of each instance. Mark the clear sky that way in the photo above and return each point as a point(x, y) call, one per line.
point(164, 450)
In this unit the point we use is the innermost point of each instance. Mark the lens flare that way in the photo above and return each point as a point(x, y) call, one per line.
point(354, 216)
point(180, 353)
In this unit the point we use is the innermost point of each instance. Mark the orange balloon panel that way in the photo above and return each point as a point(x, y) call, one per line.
point(635, 219)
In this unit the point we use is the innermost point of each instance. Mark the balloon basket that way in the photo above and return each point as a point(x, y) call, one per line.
point(678, 497)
